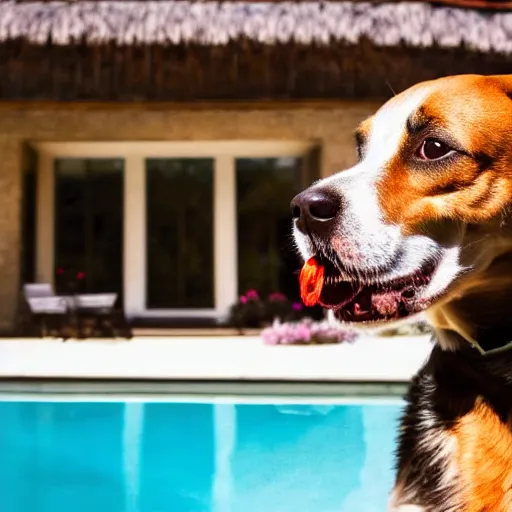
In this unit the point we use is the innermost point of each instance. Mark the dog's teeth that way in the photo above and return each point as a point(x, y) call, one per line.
point(333, 280)
point(337, 279)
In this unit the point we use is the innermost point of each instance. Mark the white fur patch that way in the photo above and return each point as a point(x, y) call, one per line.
point(373, 242)
point(449, 268)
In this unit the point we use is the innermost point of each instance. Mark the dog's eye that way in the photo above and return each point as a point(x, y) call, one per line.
point(432, 149)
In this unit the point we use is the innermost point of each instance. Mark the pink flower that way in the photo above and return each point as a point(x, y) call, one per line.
point(306, 331)
point(252, 295)
point(297, 306)
point(80, 275)
point(270, 337)
point(277, 297)
point(243, 299)
point(60, 271)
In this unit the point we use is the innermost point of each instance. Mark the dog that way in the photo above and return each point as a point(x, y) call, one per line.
point(422, 224)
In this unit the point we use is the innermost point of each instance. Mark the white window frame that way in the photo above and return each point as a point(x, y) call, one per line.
point(134, 154)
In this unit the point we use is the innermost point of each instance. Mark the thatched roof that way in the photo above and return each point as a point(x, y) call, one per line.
point(166, 50)
point(243, 70)
point(414, 24)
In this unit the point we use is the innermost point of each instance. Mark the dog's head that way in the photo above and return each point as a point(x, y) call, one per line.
point(422, 216)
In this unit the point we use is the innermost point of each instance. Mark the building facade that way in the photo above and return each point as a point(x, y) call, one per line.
point(153, 147)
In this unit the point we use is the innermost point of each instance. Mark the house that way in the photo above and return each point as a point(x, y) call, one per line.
point(152, 148)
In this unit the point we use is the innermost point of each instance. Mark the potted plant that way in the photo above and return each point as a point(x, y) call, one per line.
point(248, 312)
point(254, 311)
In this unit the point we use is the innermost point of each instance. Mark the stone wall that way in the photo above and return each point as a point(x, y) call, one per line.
point(329, 124)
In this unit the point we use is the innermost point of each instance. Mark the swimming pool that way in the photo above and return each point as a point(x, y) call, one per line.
point(200, 456)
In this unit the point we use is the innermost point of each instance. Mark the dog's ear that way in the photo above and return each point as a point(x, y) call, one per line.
point(505, 83)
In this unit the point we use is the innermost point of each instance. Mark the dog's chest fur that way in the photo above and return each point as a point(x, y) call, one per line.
point(455, 442)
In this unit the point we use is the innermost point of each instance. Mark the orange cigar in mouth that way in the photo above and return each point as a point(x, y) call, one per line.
point(311, 281)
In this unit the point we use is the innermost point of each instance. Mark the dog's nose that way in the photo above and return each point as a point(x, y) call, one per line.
point(314, 207)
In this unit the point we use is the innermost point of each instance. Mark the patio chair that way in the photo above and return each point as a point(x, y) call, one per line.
point(46, 307)
point(96, 313)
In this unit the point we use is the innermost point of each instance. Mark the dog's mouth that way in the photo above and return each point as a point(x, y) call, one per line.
point(370, 298)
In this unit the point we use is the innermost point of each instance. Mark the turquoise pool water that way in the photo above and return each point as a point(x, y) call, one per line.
point(195, 457)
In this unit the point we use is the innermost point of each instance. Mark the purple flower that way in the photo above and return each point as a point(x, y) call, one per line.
point(243, 299)
point(306, 331)
point(269, 336)
point(302, 333)
point(297, 306)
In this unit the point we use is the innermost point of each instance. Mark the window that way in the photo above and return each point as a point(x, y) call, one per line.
point(180, 228)
point(88, 225)
point(179, 236)
point(264, 189)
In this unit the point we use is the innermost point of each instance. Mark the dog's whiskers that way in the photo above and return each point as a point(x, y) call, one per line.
point(476, 242)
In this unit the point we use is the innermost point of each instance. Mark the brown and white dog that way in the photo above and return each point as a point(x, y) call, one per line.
point(423, 223)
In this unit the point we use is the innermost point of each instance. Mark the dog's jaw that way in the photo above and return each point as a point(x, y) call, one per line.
point(376, 293)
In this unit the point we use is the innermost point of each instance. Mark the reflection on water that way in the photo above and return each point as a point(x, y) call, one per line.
point(183, 457)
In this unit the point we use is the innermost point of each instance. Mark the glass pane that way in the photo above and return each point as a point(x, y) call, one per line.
point(180, 233)
point(267, 260)
point(89, 225)
point(29, 217)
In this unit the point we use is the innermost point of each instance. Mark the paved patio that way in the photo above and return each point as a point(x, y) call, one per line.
point(369, 359)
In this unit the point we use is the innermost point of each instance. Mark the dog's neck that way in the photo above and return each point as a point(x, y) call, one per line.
point(482, 315)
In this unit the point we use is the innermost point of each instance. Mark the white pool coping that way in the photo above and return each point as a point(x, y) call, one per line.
point(203, 358)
